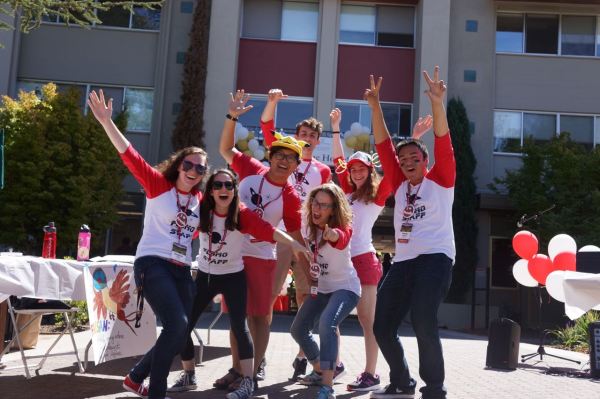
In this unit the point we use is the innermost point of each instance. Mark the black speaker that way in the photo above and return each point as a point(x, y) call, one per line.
point(594, 331)
point(503, 344)
point(588, 262)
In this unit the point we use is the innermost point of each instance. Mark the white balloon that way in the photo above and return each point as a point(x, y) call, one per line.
point(349, 133)
point(242, 133)
point(365, 130)
point(561, 243)
point(554, 285)
point(589, 248)
point(253, 145)
point(356, 127)
point(259, 154)
point(522, 275)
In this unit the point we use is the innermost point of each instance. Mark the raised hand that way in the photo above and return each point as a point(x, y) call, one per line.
point(335, 117)
point(437, 87)
point(237, 104)
point(275, 95)
point(422, 126)
point(371, 95)
point(330, 234)
point(101, 110)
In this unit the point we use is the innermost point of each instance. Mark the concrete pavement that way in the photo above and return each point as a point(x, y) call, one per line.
point(466, 375)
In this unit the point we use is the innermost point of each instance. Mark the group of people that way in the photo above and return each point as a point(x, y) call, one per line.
point(255, 222)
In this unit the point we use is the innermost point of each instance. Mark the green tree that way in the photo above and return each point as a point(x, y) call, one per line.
point(76, 12)
point(189, 127)
point(560, 173)
point(59, 167)
point(465, 202)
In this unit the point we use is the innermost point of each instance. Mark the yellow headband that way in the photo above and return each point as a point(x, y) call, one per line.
point(289, 142)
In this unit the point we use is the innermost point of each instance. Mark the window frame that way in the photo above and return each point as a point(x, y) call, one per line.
point(559, 33)
point(558, 129)
point(364, 103)
point(375, 33)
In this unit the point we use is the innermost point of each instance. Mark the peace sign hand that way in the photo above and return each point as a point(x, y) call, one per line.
point(371, 95)
point(437, 87)
point(237, 104)
point(330, 234)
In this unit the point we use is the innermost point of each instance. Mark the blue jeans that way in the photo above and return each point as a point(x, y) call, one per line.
point(169, 290)
point(331, 310)
point(417, 285)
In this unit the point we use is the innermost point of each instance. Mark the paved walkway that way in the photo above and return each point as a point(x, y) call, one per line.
point(466, 375)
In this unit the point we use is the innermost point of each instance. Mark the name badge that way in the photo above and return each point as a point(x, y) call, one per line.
point(178, 253)
point(405, 231)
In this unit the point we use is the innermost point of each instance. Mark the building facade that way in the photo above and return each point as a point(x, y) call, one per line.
point(521, 68)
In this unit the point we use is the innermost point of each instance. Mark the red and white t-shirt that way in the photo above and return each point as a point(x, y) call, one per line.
point(364, 214)
point(309, 174)
point(221, 249)
point(431, 221)
point(337, 271)
point(162, 202)
point(273, 201)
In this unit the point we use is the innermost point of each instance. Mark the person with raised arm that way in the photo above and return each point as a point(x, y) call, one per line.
point(225, 221)
point(309, 174)
point(420, 275)
point(335, 287)
point(267, 192)
point(163, 256)
point(367, 194)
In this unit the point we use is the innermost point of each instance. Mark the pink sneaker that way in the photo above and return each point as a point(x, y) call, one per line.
point(140, 390)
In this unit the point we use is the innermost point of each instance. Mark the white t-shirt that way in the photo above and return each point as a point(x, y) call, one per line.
point(221, 249)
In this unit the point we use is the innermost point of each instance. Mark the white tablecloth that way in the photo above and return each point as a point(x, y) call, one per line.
point(582, 293)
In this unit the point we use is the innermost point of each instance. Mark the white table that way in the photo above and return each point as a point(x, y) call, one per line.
point(582, 293)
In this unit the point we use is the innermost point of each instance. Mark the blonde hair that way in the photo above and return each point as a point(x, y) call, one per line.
point(341, 215)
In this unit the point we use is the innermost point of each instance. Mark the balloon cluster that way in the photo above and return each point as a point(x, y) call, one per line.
point(534, 267)
point(358, 137)
point(246, 142)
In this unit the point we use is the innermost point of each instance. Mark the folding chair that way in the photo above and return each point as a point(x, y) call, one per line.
point(17, 331)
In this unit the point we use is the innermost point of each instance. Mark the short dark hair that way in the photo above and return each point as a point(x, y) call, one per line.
point(311, 123)
point(416, 142)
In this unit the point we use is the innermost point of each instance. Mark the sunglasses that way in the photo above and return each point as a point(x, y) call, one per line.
point(187, 165)
point(217, 185)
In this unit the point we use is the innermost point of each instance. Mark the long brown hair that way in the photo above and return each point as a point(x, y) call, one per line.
point(169, 166)
point(368, 191)
point(232, 221)
point(341, 215)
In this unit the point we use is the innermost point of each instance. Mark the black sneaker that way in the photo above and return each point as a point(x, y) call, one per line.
point(339, 372)
point(260, 372)
point(185, 382)
point(299, 366)
point(392, 391)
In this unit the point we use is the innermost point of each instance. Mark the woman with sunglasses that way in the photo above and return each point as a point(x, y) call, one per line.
point(224, 223)
point(367, 192)
point(163, 256)
point(335, 287)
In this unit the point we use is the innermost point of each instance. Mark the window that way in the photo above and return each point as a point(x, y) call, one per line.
point(139, 104)
point(377, 25)
point(512, 127)
point(507, 131)
point(140, 18)
point(287, 114)
point(281, 20)
point(539, 34)
point(502, 260)
point(509, 33)
point(397, 116)
point(578, 35)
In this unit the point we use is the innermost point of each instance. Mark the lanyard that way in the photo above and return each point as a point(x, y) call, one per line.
point(222, 243)
point(409, 209)
point(258, 203)
point(181, 219)
point(300, 176)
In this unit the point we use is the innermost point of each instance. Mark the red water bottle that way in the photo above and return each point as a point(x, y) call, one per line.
point(83, 243)
point(49, 246)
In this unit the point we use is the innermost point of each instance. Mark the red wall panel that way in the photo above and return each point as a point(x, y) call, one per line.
point(265, 64)
point(356, 63)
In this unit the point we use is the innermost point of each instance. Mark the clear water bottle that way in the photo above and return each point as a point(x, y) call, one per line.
point(83, 243)
point(49, 245)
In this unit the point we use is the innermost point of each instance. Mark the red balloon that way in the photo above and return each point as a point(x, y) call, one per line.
point(540, 266)
point(565, 261)
point(525, 244)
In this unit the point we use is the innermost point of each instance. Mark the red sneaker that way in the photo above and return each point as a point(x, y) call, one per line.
point(140, 390)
